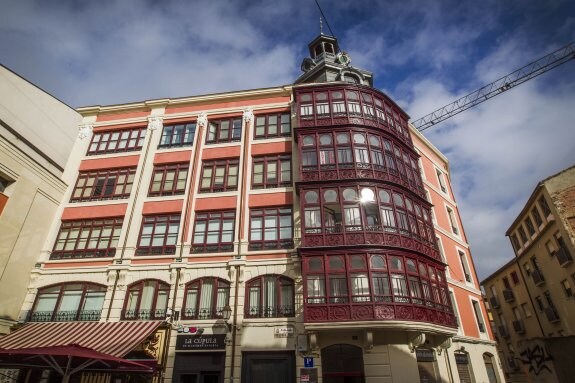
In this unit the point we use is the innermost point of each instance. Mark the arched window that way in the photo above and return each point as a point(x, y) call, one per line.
point(342, 363)
point(75, 301)
point(205, 298)
point(490, 367)
point(146, 300)
point(270, 296)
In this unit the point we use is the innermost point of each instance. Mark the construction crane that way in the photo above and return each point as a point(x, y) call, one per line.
point(529, 71)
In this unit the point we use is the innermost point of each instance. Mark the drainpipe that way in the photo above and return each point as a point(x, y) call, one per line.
point(234, 323)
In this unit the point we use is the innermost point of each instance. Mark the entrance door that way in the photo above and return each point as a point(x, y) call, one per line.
point(205, 367)
point(342, 363)
point(268, 367)
point(202, 377)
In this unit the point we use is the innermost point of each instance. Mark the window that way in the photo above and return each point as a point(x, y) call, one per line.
point(539, 303)
point(271, 172)
point(222, 131)
point(3, 184)
point(427, 365)
point(205, 298)
point(441, 179)
point(515, 242)
point(117, 141)
point(271, 228)
point(526, 310)
point(465, 266)
point(178, 135)
point(159, 235)
point(567, 288)
point(169, 179)
point(544, 206)
point(87, 239)
point(522, 234)
point(440, 248)
point(214, 232)
point(270, 296)
point(529, 226)
point(478, 315)
point(452, 221)
point(514, 277)
point(536, 216)
point(219, 176)
point(76, 301)
point(146, 300)
point(272, 125)
point(103, 184)
point(489, 366)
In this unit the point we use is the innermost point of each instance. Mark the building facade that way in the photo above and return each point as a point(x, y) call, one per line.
point(298, 233)
point(531, 297)
point(37, 133)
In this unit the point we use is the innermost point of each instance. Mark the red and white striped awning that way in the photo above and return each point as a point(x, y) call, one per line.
point(112, 338)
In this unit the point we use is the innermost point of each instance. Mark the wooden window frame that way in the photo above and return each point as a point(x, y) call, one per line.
point(266, 161)
point(154, 313)
point(72, 315)
point(214, 166)
point(162, 171)
point(134, 141)
point(196, 312)
point(171, 220)
point(259, 310)
point(280, 132)
point(71, 233)
point(216, 129)
point(170, 139)
point(278, 243)
point(219, 217)
point(83, 184)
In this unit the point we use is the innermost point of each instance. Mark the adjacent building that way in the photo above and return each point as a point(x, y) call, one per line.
point(37, 133)
point(531, 297)
point(296, 233)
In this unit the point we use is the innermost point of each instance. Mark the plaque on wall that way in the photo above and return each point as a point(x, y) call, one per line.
point(201, 342)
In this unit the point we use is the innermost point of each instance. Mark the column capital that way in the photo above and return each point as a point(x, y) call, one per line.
point(85, 130)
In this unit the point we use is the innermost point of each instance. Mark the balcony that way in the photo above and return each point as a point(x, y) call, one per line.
point(64, 316)
point(563, 257)
point(494, 302)
point(144, 314)
point(203, 313)
point(537, 277)
point(502, 330)
point(551, 314)
point(518, 326)
point(508, 295)
point(281, 311)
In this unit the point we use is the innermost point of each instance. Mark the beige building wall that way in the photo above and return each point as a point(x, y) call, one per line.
point(37, 132)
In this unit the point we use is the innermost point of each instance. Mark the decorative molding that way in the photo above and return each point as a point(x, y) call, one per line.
point(415, 340)
point(155, 123)
point(248, 115)
point(444, 346)
point(85, 131)
point(202, 120)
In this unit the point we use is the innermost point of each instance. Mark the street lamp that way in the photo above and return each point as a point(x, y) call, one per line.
point(227, 313)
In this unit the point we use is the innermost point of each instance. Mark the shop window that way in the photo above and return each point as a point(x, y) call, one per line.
point(87, 239)
point(271, 172)
point(271, 228)
point(104, 184)
point(272, 125)
point(146, 300)
point(205, 298)
point(117, 141)
point(75, 301)
point(219, 176)
point(177, 135)
point(158, 235)
point(270, 296)
point(223, 131)
point(169, 179)
point(214, 232)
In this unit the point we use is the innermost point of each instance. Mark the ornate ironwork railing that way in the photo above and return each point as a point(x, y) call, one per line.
point(279, 311)
point(65, 316)
point(203, 313)
point(145, 314)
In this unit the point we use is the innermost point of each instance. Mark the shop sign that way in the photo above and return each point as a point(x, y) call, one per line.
point(283, 332)
point(308, 375)
point(201, 342)
point(308, 361)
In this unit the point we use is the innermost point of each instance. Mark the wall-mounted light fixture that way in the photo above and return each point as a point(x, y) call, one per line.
point(226, 315)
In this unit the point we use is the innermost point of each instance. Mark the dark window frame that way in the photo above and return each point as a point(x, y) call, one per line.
point(279, 242)
point(104, 184)
point(216, 129)
point(214, 311)
point(153, 221)
point(153, 313)
point(163, 170)
point(133, 138)
point(70, 315)
point(214, 166)
point(91, 228)
point(262, 130)
point(266, 162)
point(221, 217)
point(260, 310)
point(172, 138)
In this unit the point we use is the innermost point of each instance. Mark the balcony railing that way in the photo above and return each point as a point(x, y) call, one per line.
point(144, 314)
point(518, 326)
point(563, 257)
point(203, 313)
point(502, 329)
point(280, 311)
point(81, 254)
point(271, 245)
point(551, 314)
point(212, 248)
point(156, 250)
point(538, 278)
point(508, 295)
point(494, 302)
point(65, 316)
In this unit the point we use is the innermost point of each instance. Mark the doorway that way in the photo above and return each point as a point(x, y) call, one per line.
point(206, 367)
point(342, 363)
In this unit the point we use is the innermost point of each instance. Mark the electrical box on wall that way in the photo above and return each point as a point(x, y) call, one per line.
point(302, 343)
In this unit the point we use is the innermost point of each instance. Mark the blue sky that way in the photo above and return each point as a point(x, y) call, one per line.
point(424, 54)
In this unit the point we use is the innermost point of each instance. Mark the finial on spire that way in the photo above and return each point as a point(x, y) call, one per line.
point(320, 26)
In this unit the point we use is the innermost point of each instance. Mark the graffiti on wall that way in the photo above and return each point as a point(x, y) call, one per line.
point(536, 358)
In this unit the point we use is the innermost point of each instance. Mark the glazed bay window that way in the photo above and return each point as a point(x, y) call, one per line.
point(103, 184)
point(271, 228)
point(272, 125)
point(214, 232)
point(271, 172)
point(169, 179)
point(269, 296)
point(159, 235)
point(205, 298)
point(76, 301)
point(223, 131)
point(117, 141)
point(87, 239)
point(219, 176)
point(177, 135)
point(146, 300)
